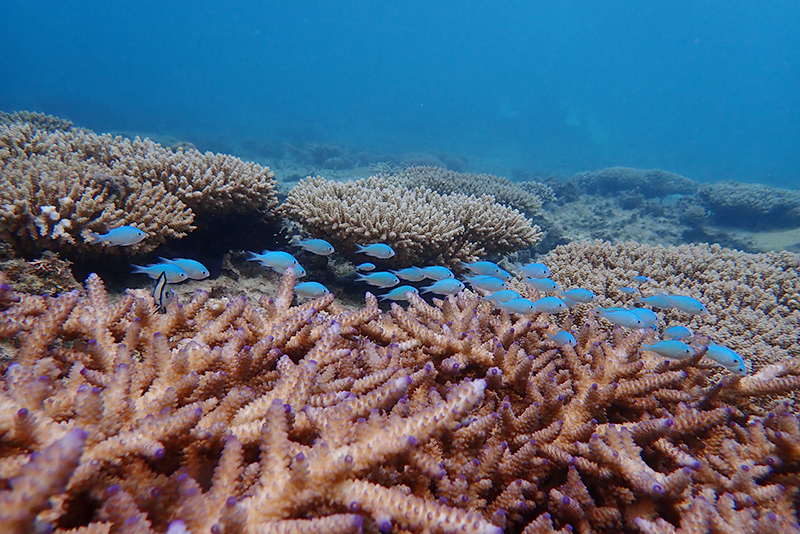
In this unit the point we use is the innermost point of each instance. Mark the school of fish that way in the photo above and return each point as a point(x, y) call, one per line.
point(487, 278)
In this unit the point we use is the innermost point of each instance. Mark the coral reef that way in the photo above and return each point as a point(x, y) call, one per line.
point(421, 225)
point(752, 299)
point(446, 182)
point(57, 185)
point(235, 416)
point(752, 206)
point(649, 182)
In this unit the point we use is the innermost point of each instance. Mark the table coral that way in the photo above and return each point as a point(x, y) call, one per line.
point(59, 183)
point(225, 415)
point(421, 225)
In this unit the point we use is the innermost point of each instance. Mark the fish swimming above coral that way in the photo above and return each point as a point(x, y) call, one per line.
point(315, 246)
point(122, 236)
point(376, 250)
point(193, 268)
point(379, 279)
point(173, 273)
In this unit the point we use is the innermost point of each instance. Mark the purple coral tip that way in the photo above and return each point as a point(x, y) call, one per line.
point(354, 506)
point(385, 526)
point(216, 529)
point(772, 517)
point(231, 501)
point(159, 452)
point(113, 490)
point(155, 492)
point(300, 457)
point(22, 412)
point(565, 500)
point(657, 488)
point(669, 422)
point(412, 440)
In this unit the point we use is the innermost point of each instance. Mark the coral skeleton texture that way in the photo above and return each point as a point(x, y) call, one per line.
point(421, 225)
point(58, 184)
point(230, 416)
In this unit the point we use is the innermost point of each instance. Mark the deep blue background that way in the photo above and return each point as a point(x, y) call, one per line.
point(708, 89)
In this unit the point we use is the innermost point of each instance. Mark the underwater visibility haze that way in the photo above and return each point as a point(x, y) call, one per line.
point(707, 89)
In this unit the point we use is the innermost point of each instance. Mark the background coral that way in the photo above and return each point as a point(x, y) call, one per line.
point(444, 181)
point(58, 184)
point(752, 206)
point(421, 225)
point(749, 296)
point(648, 182)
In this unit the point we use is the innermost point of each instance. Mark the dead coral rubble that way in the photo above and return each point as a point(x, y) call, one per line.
point(231, 416)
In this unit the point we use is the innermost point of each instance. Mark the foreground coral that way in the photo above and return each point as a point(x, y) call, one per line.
point(230, 416)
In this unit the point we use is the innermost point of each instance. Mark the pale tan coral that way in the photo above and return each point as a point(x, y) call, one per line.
point(239, 417)
point(58, 185)
point(747, 295)
point(421, 225)
point(446, 182)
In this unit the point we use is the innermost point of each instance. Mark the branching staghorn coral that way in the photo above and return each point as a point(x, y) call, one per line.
point(751, 298)
point(57, 185)
point(235, 416)
point(421, 225)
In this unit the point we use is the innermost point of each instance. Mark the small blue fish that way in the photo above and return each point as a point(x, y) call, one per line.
point(448, 286)
point(195, 269)
point(648, 317)
point(562, 337)
point(486, 268)
point(627, 290)
point(678, 333)
point(310, 289)
point(315, 246)
point(377, 250)
point(379, 279)
point(620, 317)
point(535, 270)
point(366, 266)
point(551, 305)
point(727, 358)
point(502, 296)
point(578, 294)
point(688, 305)
point(122, 236)
point(656, 301)
point(276, 260)
point(519, 305)
point(486, 282)
point(437, 272)
point(400, 293)
point(676, 350)
point(173, 273)
point(162, 293)
point(541, 284)
point(641, 279)
point(412, 274)
point(505, 275)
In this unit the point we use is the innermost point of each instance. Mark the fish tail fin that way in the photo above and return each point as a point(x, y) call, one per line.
point(137, 269)
point(295, 241)
point(360, 248)
point(253, 256)
point(91, 238)
point(166, 260)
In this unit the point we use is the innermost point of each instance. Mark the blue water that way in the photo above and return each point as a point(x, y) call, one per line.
point(707, 89)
